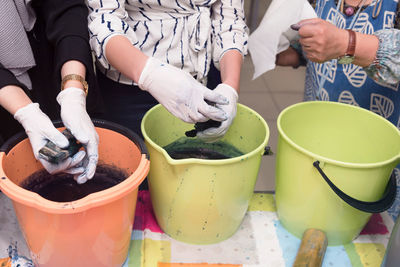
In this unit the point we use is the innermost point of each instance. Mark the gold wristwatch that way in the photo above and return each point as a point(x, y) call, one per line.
point(75, 77)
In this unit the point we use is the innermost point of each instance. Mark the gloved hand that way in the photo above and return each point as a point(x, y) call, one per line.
point(215, 133)
point(40, 129)
point(180, 93)
point(74, 116)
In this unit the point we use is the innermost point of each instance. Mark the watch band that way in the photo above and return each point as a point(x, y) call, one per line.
point(75, 77)
point(351, 47)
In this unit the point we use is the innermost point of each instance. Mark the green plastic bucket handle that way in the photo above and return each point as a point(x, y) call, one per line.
point(371, 207)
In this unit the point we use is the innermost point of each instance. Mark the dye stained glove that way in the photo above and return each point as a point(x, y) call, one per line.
point(215, 133)
point(180, 93)
point(40, 129)
point(74, 116)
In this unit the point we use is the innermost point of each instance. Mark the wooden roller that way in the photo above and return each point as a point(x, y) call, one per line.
point(312, 249)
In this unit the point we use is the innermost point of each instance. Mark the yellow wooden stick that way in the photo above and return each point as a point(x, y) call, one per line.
point(312, 249)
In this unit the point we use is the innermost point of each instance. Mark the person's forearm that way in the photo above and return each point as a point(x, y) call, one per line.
point(366, 47)
point(288, 57)
point(230, 66)
point(126, 58)
point(73, 67)
point(13, 98)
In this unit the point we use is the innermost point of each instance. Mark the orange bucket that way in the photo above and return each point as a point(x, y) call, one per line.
point(92, 231)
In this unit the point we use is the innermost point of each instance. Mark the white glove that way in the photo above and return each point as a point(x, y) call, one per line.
point(40, 129)
point(215, 133)
point(180, 93)
point(74, 116)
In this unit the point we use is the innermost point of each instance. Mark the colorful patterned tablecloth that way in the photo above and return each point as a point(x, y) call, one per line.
point(260, 241)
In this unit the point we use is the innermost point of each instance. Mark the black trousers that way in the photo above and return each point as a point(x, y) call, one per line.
point(127, 104)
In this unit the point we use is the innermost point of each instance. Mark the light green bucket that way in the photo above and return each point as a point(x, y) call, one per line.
point(202, 201)
point(353, 149)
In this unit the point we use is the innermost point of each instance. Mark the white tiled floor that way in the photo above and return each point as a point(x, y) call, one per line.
point(269, 95)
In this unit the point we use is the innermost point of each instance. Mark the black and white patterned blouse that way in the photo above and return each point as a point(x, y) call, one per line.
point(185, 33)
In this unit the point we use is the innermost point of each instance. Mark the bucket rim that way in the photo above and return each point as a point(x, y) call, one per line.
point(34, 200)
point(315, 156)
point(172, 161)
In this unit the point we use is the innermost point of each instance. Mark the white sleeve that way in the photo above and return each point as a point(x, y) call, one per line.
point(107, 18)
point(229, 29)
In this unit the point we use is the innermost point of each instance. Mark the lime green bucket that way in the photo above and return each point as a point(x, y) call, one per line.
point(202, 201)
point(333, 168)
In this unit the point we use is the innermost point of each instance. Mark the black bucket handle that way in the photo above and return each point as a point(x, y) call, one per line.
point(371, 207)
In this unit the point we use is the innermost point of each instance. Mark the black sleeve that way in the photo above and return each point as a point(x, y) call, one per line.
point(67, 31)
point(9, 125)
point(8, 78)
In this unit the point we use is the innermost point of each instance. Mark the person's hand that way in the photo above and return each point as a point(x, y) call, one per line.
point(322, 41)
point(216, 133)
point(180, 93)
point(40, 130)
point(74, 116)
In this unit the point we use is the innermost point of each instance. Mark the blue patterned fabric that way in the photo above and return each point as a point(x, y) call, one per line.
point(352, 84)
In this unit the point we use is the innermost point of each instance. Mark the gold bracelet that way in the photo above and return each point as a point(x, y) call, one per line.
point(75, 77)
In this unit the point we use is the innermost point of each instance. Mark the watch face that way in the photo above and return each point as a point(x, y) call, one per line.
point(346, 60)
